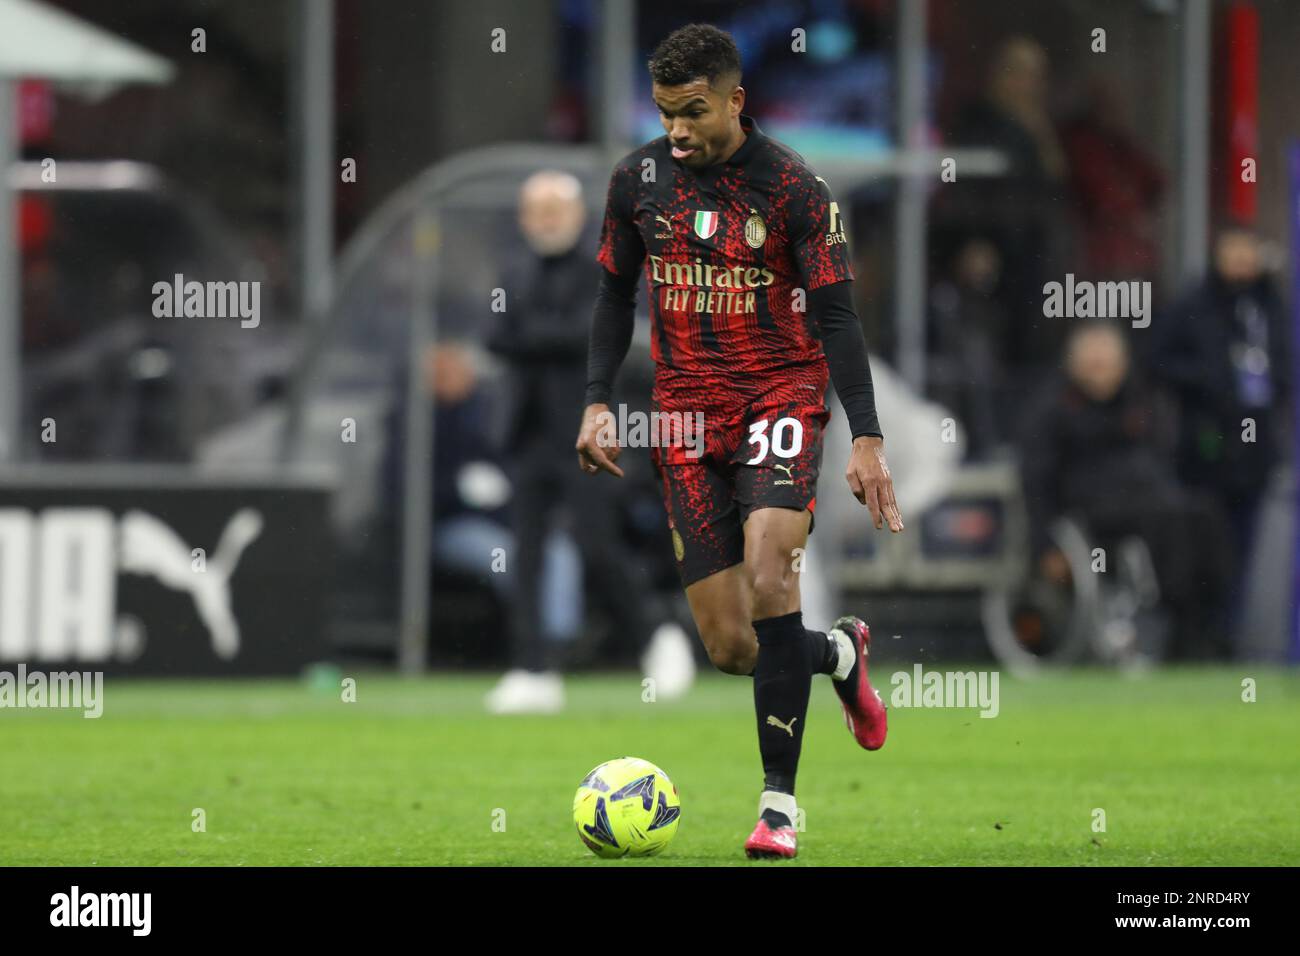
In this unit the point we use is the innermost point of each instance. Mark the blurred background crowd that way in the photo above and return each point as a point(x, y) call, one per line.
point(1106, 141)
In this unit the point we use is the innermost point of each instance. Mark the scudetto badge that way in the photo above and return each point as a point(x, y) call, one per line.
point(755, 231)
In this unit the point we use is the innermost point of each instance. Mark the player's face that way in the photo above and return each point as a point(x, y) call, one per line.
point(697, 119)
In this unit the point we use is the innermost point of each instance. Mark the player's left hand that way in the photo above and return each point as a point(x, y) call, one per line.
point(868, 475)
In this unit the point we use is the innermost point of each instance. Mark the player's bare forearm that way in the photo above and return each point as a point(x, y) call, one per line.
point(597, 445)
point(872, 484)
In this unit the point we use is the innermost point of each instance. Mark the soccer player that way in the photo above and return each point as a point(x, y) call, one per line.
point(748, 272)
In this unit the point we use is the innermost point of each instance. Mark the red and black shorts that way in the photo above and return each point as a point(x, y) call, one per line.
point(767, 456)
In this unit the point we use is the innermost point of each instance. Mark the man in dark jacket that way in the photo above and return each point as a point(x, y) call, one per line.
point(1098, 447)
point(1223, 350)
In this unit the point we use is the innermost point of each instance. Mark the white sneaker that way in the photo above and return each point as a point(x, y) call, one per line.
point(669, 661)
point(527, 692)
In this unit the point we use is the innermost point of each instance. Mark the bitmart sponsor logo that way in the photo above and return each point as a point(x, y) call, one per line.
point(1098, 300)
point(102, 909)
point(73, 690)
point(208, 300)
point(921, 688)
point(637, 429)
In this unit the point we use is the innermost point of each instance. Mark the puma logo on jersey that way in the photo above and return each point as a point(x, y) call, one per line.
point(667, 232)
point(789, 472)
point(788, 728)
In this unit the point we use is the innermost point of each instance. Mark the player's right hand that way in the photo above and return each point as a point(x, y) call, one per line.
point(598, 448)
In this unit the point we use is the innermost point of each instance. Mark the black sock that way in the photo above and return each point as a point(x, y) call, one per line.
point(823, 653)
point(782, 682)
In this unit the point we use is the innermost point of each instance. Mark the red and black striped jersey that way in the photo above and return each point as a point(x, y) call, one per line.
point(729, 254)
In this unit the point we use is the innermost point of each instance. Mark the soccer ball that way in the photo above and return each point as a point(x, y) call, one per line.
point(626, 807)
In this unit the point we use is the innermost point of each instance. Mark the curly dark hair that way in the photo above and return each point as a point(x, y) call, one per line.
point(694, 51)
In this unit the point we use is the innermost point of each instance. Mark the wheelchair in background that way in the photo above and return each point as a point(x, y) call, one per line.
point(968, 556)
point(1105, 611)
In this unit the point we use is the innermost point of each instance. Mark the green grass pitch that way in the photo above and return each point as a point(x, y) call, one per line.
point(414, 772)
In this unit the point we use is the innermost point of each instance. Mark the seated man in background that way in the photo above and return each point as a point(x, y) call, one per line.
point(471, 491)
point(1098, 447)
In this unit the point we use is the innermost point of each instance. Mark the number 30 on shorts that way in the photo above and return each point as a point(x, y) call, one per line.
point(786, 440)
